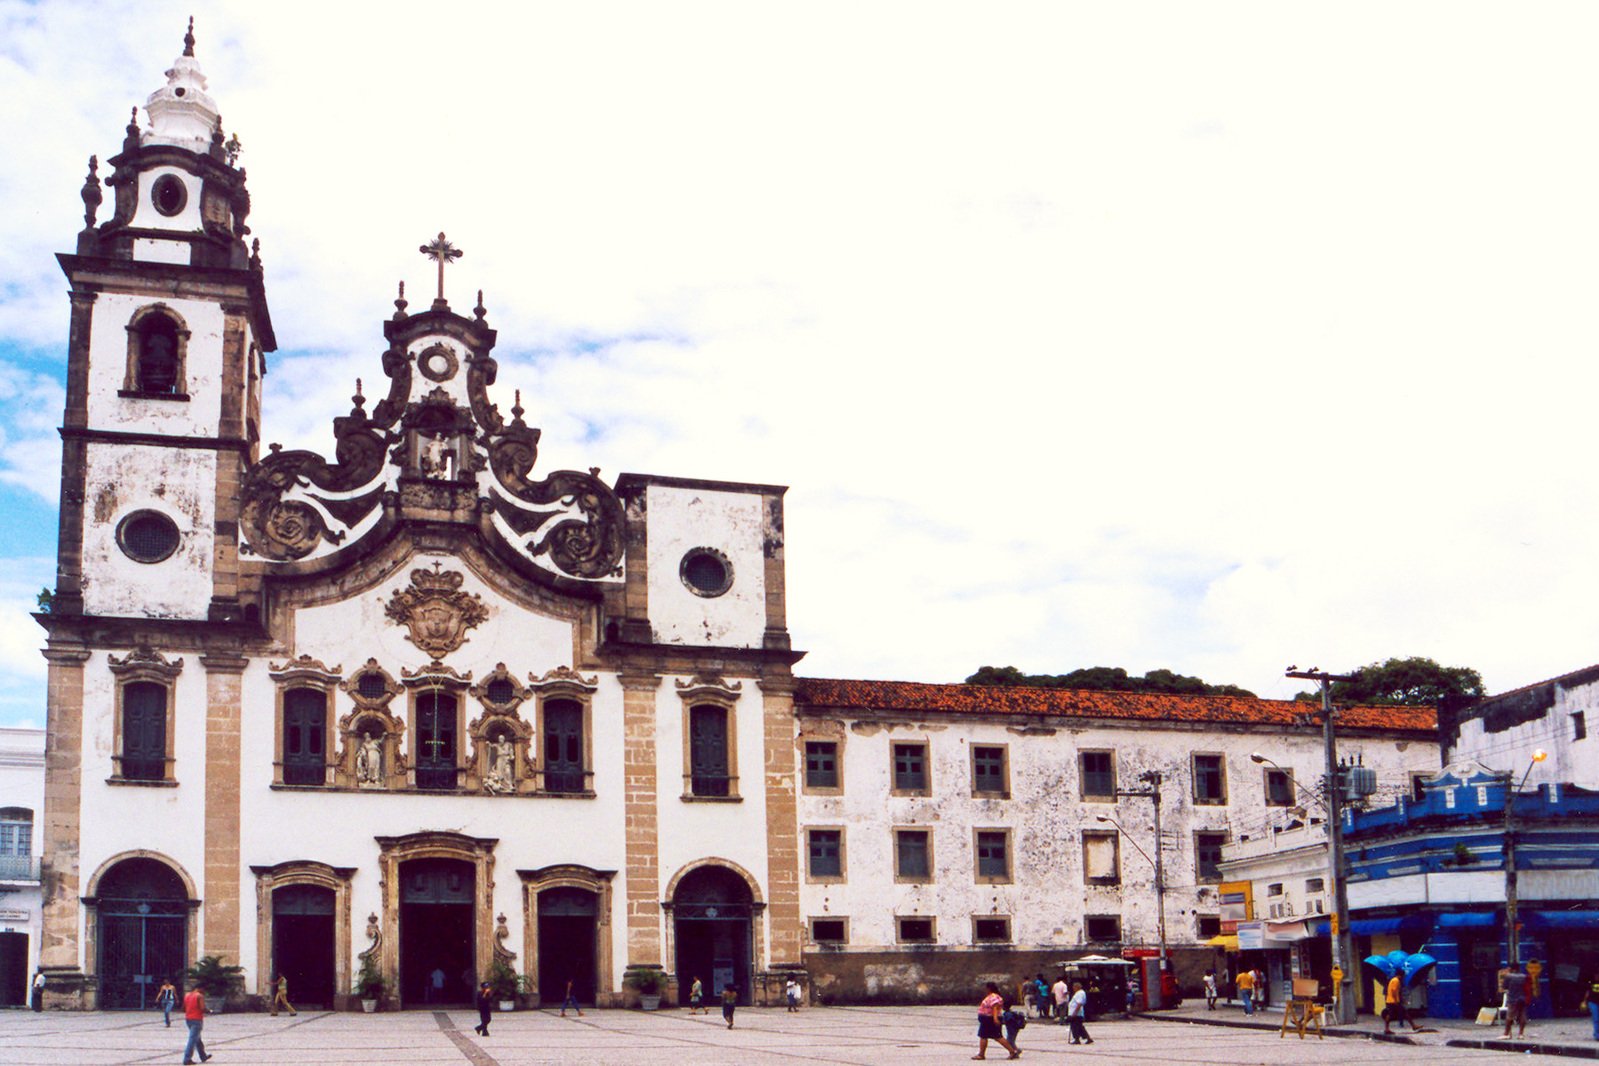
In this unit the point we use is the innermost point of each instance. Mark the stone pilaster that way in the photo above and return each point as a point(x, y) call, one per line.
point(784, 922)
point(63, 795)
point(641, 817)
point(222, 891)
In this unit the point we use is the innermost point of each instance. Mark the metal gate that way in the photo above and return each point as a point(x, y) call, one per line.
point(141, 945)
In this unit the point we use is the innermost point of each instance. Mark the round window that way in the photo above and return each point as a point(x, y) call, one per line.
point(147, 536)
point(169, 194)
point(437, 363)
point(706, 572)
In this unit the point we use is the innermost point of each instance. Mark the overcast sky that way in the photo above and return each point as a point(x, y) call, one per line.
point(1214, 337)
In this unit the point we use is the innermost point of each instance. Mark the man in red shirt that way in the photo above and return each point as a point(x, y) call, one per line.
point(194, 1015)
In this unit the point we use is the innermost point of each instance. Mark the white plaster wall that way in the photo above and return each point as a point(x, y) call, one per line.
point(181, 484)
point(1569, 760)
point(199, 416)
point(22, 785)
point(731, 522)
point(1048, 898)
point(145, 216)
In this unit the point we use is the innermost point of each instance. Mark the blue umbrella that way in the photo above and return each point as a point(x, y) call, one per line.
point(1383, 964)
point(1416, 965)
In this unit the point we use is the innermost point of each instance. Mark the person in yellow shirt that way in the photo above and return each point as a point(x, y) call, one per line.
point(1246, 990)
point(1394, 1006)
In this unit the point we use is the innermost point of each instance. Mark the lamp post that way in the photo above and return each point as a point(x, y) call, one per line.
point(1153, 778)
point(1343, 948)
point(1512, 903)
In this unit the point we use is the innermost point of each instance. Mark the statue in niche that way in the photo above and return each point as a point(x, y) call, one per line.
point(436, 458)
point(369, 762)
point(502, 766)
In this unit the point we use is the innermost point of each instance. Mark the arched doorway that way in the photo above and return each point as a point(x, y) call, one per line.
point(303, 943)
point(143, 914)
point(711, 912)
point(568, 918)
point(438, 962)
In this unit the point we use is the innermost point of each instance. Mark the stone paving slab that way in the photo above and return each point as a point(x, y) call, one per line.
point(845, 1036)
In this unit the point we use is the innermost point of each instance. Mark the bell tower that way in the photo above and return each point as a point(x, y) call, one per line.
point(166, 354)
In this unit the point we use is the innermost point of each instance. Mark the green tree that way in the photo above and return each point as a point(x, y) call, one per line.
point(1105, 679)
point(1415, 681)
point(215, 978)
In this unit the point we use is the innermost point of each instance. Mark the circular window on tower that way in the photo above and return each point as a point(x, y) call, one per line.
point(147, 536)
point(169, 194)
point(706, 572)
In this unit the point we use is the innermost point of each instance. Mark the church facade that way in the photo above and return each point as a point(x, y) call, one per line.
point(416, 710)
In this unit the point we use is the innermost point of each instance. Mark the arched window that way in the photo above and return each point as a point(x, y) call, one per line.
point(144, 731)
point(305, 723)
point(157, 344)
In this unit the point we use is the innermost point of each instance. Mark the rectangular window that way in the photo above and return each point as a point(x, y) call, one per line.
point(821, 764)
point(1314, 885)
point(16, 836)
point(1418, 786)
point(563, 747)
point(436, 740)
point(1207, 857)
point(1210, 780)
point(993, 855)
point(829, 930)
point(305, 717)
point(144, 731)
point(1579, 725)
point(1279, 788)
point(1101, 857)
point(988, 770)
point(915, 930)
point(913, 855)
point(1102, 928)
point(1207, 926)
point(826, 847)
point(1098, 774)
point(708, 764)
point(991, 929)
point(1274, 889)
point(910, 768)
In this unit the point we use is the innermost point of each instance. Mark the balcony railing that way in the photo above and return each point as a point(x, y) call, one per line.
point(19, 868)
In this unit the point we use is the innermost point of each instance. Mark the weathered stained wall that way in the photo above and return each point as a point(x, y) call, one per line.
point(732, 523)
point(1503, 732)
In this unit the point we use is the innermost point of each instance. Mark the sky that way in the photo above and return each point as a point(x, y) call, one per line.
point(1210, 337)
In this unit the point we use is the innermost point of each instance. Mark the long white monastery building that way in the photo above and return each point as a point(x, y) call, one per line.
point(416, 706)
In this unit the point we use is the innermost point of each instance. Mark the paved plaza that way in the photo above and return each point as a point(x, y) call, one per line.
point(844, 1035)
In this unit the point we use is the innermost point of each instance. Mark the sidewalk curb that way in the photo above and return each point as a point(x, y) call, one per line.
point(1570, 1051)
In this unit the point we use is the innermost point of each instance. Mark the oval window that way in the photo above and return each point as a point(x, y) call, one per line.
point(169, 194)
point(706, 572)
point(147, 536)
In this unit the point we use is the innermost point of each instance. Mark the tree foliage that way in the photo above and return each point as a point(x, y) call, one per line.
point(1105, 679)
point(1415, 681)
point(216, 978)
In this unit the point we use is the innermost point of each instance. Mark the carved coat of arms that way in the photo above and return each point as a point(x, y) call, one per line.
point(436, 611)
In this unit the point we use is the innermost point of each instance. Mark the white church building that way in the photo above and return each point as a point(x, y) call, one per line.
point(417, 705)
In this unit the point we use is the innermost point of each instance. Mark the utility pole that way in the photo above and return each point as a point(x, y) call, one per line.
point(1153, 778)
point(1512, 900)
point(1343, 948)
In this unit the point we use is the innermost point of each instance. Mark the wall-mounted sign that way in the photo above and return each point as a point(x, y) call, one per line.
point(15, 916)
point(1251, 936)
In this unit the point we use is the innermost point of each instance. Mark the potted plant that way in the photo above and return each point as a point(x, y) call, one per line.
point(369, 984)
point(647, 982)
point(503, 984)
point(221, 983)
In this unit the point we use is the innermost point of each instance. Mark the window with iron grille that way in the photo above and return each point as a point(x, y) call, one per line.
point(913, 855)
point(821, 764)
point(910, 768)
point(826, 848)
point(708, 763)
point(144, 731)
point(1207, 857)
point(563, 746)
point(1210, 781)
point(305, 723)
point(993, 855)
point(1098, 774)
point(988, 770)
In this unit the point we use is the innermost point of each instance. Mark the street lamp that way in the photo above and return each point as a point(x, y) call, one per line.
point(1512, 903)
point(1153, 777)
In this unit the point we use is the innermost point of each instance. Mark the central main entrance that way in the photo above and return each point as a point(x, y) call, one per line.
point(567, 944)
point(711, 911)
point(438, 964)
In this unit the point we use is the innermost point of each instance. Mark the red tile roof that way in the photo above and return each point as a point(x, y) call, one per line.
point(919, 697)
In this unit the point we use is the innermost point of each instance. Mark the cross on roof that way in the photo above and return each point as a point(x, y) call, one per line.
point(442, 251)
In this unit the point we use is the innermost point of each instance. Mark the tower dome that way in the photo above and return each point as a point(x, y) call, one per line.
point(181, 113)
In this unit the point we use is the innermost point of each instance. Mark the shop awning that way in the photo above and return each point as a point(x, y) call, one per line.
point(1563, 920)
point(1407, 923)
point(1467, 920)
point(1227, 941)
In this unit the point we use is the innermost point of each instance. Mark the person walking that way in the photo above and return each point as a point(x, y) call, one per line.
point(166, 998)
point(1077, 1015)
point(1061, 992)
point(1513, 982)
point(1394, 1005)
point(1246, 990)
point(729, 1003)
point(194, 1017)
point(485, 1008)
point(571, 998)
point(1590, 999)
point(988, 1024)
point(696, 997)
point(282, 998)
point(1210, 989)
point(791, 993)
